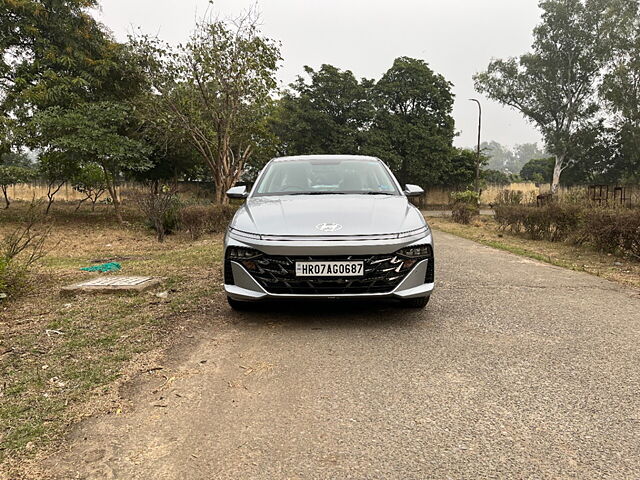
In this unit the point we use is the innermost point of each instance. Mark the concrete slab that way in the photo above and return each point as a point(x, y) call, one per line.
point(112, 284)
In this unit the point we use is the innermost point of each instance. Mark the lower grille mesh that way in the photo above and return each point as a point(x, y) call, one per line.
point(382, 273)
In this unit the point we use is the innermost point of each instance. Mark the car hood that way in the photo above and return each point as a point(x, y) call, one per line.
point(302, 214)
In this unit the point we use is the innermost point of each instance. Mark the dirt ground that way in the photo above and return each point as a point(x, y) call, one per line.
point(62, 358)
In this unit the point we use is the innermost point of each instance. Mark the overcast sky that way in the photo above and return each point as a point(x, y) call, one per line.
point(456, 37)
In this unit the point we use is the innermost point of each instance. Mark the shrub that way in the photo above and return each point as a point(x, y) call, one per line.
point(202, 219)
point(613, 230)
point(160, 205)
point(20, 249)
point(554, 221)
point(465, 206)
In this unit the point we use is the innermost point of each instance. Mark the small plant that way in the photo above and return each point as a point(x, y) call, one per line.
point(160, 205)
point(465, 206)
point(20, 250)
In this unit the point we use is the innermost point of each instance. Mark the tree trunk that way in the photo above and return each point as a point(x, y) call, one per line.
point(6, 197)
point(222, 185)
point(111, 187)
point(557, 170)
point(51, 193)
point(46, 211)
point(116, 203)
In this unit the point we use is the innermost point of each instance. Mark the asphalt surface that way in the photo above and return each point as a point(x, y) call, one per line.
point(516, 369)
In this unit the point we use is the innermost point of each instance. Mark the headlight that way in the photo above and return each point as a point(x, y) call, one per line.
point(417, 251)
point(416, 231)
point(240, 233)
point(242, 253)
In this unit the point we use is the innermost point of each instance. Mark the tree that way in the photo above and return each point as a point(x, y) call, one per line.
point(62, 74)
point(500, 157)
point(330, 113)
point(510, 160)
point(496, 177)
point(54, 53)
point(89, 181)
point(555, 85)
point(99, 132)
point(216, 90)
point(524, 152)
point(460, 172)
point(621, 92)
point(413, 128)
point(538, 170)
point(12, 175)
point(55, 169)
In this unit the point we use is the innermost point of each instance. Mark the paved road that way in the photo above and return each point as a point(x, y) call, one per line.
point(516, 370)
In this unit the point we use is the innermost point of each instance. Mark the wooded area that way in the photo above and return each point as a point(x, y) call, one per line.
point(80, 108)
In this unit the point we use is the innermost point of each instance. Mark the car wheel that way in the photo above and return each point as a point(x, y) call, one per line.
point(419, 302)
point(239, 305)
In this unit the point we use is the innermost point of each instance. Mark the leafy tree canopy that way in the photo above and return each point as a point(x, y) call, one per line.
point(215, 92)
point(539, 170)
point(329, 113)
point(555, 85)
point(413, 129)
point(54, 53)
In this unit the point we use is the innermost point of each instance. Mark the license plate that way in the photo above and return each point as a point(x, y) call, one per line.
point(329, 269)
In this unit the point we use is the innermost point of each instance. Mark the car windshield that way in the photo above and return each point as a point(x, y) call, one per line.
point(317, 177)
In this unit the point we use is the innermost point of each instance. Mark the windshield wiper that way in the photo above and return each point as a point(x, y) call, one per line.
point(376, 193)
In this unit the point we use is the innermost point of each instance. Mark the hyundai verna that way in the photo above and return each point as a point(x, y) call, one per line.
point(326, 227)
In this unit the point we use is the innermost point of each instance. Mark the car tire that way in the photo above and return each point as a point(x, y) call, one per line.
point(238, 305)
point(419, 302)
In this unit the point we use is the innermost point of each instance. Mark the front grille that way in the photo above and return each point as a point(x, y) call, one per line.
point(382, 273)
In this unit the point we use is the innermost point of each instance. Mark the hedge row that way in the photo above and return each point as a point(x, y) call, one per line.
point(613, 230)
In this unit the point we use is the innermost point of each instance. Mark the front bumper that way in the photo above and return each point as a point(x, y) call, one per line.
point(241, 284)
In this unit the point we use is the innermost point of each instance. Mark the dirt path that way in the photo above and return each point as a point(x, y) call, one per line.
point(493, 380)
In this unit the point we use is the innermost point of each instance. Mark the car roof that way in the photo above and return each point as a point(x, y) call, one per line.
point(326, 157)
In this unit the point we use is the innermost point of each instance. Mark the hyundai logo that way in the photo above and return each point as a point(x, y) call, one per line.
point(329, 227)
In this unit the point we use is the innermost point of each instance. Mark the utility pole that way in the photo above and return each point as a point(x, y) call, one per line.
point(478, 150)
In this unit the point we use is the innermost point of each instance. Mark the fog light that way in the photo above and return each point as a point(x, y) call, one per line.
point(242, 253)
point(419, 251)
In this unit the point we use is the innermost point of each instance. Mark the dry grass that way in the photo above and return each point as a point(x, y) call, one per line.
point(485, 230)
point(56, 353)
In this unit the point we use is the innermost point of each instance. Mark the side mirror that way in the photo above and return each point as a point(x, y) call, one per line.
point(238, 192)
point(413, 190)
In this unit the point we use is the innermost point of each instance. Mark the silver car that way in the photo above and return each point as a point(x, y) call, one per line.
point(327, 227)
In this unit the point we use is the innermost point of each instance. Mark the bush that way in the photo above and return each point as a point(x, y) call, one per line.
point(613, 230)
point(465, 206)
point(203, 219)
point(20, 250)
point(554, 221)
point(160, 205)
